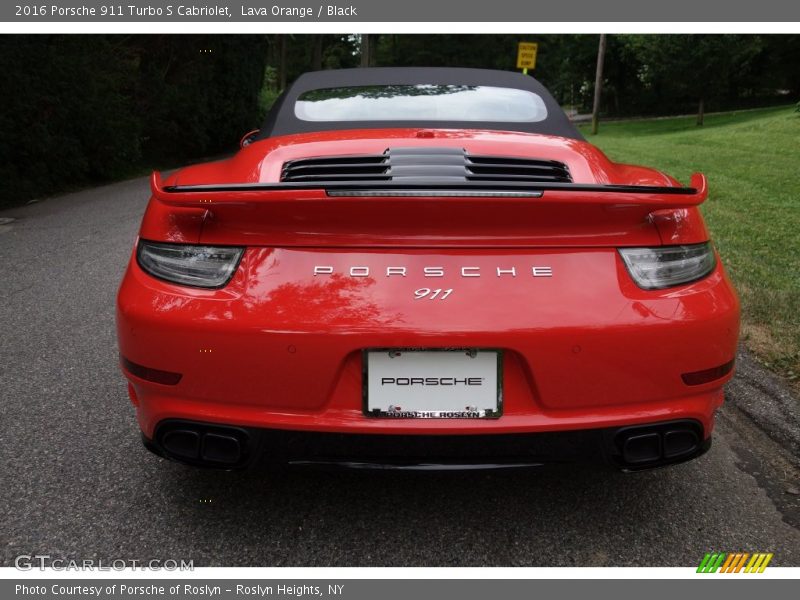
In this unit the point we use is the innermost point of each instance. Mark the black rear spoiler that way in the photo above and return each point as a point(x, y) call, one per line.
point(221, 194)
point(438, 186)
point(412, 212)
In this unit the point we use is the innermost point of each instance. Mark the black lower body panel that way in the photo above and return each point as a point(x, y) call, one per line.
point(630, 448)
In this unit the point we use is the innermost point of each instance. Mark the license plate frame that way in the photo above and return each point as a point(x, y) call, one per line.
point(379, 409)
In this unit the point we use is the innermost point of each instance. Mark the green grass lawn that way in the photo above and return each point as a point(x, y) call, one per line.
point(752, 161)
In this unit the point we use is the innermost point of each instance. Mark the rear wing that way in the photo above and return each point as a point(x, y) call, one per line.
point(657, 197)
point(419, 212)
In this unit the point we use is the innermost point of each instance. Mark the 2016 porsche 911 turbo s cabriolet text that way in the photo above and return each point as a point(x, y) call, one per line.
point(424, 268)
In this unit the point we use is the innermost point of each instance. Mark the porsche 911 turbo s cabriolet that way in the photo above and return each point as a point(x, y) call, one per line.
point(424, 268)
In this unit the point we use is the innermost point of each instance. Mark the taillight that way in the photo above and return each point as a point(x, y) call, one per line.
point(668, 266)
point(185, 264)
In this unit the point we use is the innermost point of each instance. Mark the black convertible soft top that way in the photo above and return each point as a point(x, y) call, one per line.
point(281, 119)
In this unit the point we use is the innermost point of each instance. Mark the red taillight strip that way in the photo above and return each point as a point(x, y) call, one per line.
point(707, 375)
point(150, 374)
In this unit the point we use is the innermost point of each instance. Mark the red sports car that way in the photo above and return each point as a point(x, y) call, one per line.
point(424, 268)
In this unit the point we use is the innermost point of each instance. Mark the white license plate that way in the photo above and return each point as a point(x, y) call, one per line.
point(432, 384)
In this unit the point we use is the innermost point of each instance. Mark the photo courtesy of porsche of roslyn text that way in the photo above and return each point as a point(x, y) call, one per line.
point(269, 298)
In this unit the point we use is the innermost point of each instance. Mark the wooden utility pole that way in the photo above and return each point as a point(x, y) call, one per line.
point(598, 82)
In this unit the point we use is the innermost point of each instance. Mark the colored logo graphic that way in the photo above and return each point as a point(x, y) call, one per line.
point(734, 562)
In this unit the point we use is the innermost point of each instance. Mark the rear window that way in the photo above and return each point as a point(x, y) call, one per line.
point(421, 103)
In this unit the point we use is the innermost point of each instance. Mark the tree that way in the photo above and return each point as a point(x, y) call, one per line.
point(700, 68)
point(367, 49)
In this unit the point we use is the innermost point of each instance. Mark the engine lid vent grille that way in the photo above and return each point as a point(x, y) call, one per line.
point(338, 168)
point(424, 164)
point(500, 168)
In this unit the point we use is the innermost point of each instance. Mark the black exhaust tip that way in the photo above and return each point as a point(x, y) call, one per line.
point(221, 448)
point(643, 448)
point(182, 442)
point(203, 444)
point(658, 444)
point(680, 442)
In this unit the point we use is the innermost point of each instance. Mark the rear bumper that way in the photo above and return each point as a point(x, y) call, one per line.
point(631, 448)
point(281, 349)
point(345, 416)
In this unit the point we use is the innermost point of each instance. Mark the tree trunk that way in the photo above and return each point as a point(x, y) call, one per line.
point(701, 112)
point(366, 52)
point(272, 59)
point(598, 82)
point(373, 48)
point(282, 79)
point(316, 53)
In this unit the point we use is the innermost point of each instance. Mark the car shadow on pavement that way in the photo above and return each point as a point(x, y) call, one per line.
point(386, 518)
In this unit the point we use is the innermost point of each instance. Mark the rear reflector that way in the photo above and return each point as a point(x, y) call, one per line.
point(150, 374)
point(701, 377)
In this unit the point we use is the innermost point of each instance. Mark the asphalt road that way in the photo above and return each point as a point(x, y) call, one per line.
point(76, 482)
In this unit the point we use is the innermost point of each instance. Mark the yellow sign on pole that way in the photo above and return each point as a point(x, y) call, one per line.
point(526, 56)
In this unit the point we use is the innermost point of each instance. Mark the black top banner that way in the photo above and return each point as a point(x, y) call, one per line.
point(355, 11)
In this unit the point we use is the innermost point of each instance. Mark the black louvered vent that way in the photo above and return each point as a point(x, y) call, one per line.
point(425, 164)
point(500, 168)
point(374, 167)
